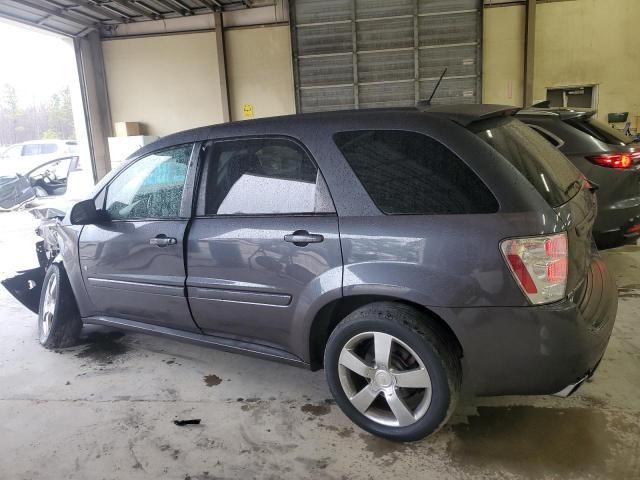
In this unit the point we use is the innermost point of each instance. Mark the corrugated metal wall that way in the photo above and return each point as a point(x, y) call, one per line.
point(385, 53)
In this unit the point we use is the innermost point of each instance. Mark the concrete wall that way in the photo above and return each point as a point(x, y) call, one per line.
point(169, 83)
point(578, 42)
point(260, 71)
point(503, 55)
point(590, 42)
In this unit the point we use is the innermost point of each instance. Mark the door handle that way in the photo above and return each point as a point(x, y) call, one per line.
point(302, 238)
point(162, 241)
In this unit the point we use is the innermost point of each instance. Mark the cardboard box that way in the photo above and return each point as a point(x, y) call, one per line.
point(128, 129)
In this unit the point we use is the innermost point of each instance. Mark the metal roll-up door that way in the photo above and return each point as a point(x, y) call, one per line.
point(385, 53)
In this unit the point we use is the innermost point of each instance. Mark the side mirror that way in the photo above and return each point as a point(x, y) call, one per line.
point(86, 213)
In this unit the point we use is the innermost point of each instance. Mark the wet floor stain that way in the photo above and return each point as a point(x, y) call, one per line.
point(389, 451)
point(251, 404)
point(173, 452)
point(316, 410)
point(103, 347)
point(202, 476)
point(212, 380)
point(534, 441)
point(343, 432)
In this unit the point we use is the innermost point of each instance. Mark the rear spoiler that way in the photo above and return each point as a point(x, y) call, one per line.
point(466, 115)
point(562, 113)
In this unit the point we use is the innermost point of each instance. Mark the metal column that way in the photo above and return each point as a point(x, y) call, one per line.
point(93, 85)
point(222, 67)
point(529, 52)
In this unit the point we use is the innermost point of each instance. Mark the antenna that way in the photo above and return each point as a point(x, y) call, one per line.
point(427, 103)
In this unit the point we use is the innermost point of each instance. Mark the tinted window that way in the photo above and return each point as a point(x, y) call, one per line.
point(151, 187)
point(31, 149)
point(48, 148)
point(601, 131)
point(548, 170)
point(410, 173)
point(263, 176)
point(39, 148)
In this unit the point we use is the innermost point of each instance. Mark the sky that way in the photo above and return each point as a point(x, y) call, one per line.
point(37, 64)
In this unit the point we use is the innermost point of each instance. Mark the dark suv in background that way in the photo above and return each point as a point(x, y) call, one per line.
point(411, 253)
point(607, 157)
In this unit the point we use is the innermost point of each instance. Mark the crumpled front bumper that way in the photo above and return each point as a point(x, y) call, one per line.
point(26, 287)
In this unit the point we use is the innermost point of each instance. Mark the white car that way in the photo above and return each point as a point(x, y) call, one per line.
point(26, 156)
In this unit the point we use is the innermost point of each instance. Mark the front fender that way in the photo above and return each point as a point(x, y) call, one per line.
point(67, 237)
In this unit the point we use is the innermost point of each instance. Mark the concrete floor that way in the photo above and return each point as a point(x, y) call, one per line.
point(105, 409)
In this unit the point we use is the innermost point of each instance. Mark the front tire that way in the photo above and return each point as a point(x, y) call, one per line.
point(393, 371)
point(59, 322)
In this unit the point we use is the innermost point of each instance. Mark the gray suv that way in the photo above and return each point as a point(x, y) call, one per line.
point(403, 251)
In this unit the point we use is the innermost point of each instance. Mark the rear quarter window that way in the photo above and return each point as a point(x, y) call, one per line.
point(546, 168)
point(410, 173)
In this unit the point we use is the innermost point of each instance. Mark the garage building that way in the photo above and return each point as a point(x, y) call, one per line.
point(136, 406)
point(179, 64)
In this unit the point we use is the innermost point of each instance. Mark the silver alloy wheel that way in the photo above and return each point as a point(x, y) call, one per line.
point(48, 307)
point(376, 364)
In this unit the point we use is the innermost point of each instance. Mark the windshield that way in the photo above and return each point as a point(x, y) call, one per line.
point(601, 131)
point(548, 170)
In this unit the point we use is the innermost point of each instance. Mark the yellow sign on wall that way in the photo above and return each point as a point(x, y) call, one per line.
point(247, 110)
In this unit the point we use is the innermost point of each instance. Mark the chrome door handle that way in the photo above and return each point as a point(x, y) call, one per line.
point(302, 238)
point(163, 241)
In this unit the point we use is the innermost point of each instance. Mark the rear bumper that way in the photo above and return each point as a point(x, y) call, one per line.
point(537, 350)
point(616, 218)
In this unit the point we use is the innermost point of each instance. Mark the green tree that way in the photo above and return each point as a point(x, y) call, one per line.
point(61, 115)
point(11, 112)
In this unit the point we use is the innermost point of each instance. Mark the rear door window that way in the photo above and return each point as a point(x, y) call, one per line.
point(548, 170)
point(410, 173)
point(266, 176)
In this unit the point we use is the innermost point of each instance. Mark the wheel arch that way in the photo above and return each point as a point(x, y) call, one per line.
point(328, 317)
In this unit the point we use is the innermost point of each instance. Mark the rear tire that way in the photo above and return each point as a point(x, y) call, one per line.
point(59, 322)
point(415, 392)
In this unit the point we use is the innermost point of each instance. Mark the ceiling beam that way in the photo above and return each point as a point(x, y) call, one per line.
point(96, 7)
point(148, 8)
point(213, 5)
point(184, 7)
point(18, 19)
point(134, 8)
point(60, 13)
point(72, 9)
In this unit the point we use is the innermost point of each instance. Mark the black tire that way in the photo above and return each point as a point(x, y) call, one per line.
point(434, 347)
point(63, 323)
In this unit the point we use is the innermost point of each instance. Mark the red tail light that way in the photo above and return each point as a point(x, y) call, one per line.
point(616, 160)
point(540, 265)
point(520, 271)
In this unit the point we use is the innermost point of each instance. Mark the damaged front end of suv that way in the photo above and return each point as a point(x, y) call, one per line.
point(27, 284)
